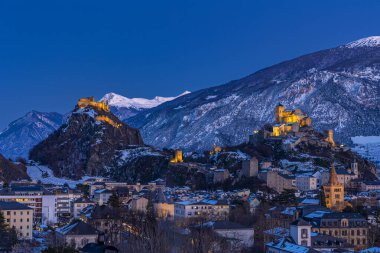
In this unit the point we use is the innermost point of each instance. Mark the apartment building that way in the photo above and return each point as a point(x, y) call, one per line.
point(215, 209)
point(18, 216)
point(349, 226)
point(280, 181)
point(30, 196)
point(306, 183)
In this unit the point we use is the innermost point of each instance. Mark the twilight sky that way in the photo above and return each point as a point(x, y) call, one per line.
point(54, 52)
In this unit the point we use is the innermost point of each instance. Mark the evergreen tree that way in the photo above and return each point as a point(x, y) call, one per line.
point(287, 197)
point(114, 200)
point(8, 235)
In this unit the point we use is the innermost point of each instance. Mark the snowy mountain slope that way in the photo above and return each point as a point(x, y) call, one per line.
point(339, 88)
point(124, 107)
point(22, 134)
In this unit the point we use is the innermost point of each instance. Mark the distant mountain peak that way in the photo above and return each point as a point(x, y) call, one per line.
point(124, 107)
point(117, 100)
point(373, 41)
point(22, 134)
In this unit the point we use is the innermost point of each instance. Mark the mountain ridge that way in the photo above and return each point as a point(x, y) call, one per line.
point(22, 134)
point(337, 87)
point(124, 107)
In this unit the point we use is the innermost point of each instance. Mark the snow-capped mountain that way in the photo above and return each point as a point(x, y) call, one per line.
point(339, 88)
point(22, 134)
point(124, 107)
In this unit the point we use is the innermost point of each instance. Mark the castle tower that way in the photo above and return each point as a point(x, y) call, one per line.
point(334, 192)
point(329, 137)
point(177, 157)
point(355, 168)
point(250, 168)
point(279, 113)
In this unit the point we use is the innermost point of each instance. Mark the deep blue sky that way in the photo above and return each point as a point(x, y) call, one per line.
point(54, 52)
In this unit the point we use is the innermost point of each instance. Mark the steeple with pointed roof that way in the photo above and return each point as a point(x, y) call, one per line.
point(333, 176)
point(334, 192)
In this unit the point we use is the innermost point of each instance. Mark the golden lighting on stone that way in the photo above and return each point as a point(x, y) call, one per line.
point(177, 157)
point(101, 106)
point(90, 101)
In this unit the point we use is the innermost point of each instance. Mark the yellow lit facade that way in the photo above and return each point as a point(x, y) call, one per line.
point(329, 137)
point(90, 101)
point(289, 121)
point(177, 157)
point(216, 149)
point(104, 118)
point(101, 106)
point(334, 192)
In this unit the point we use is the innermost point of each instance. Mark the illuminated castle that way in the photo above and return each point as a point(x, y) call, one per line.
point(101, 106)
point(104, 118)
point(177, 157)
point(216, 149)
point(334, 192)
point(329, 137)
point(90, 101)
point(289, 121)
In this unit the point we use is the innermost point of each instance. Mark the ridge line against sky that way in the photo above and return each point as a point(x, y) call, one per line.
point(52, 53)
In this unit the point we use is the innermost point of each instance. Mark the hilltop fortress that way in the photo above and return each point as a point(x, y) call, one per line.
point(289, 121)
point(101, 106)
point(292, 127)
point(90, 102)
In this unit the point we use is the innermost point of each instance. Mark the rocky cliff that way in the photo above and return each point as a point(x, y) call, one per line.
point(92, 142)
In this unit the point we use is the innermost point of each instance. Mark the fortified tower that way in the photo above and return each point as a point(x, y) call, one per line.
point(279, 112)
point(177, 157)
point(329, 137)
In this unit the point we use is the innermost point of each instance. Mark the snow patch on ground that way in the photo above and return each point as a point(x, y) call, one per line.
point(46, 176)
point(368, 147)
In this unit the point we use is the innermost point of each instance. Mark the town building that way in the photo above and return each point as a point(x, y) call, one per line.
point(215, 209)
point(351, 227)
point(139, 204)
point(280, 181)
point(79, 205)
point(30, 195)
point(19, 217)
point(220, 175)
point(370, 185)
point(76, 234)
point(109, 221)
point(250, 168)
point(300, 231)
point(101, 196)
point(238, 235)
point(306, 183)
point(334, 192)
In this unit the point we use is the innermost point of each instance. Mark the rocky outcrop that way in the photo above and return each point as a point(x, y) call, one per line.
point(88, 144)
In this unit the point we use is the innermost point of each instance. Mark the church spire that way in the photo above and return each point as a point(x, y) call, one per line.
point(333, 176)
